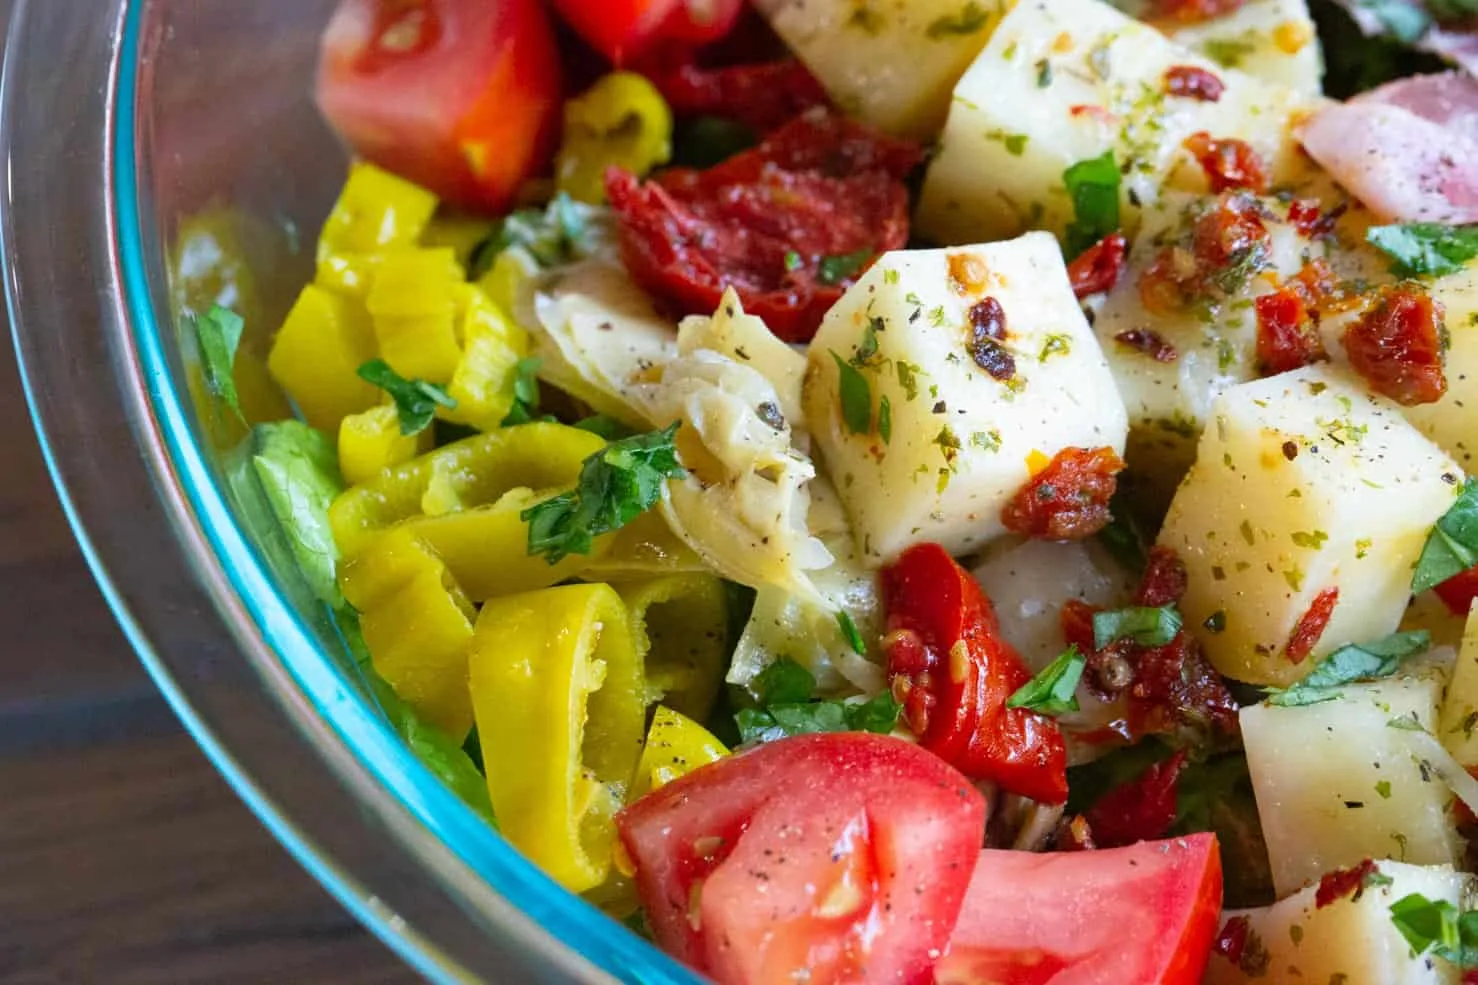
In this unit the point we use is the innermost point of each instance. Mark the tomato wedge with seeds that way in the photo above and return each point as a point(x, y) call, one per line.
point(841, 856)
point(626, 29)
point(462, 97)
point(1145, 914)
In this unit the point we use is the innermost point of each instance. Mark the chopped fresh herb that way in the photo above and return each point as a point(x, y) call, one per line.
point(1439, 926)
point(968, 20)
point(1406, 723)
point(298, 473)
point(850, 632)
point(1044, 73)
point(1452, 546)
point(1227, 52)
point(885, 420)
point(525, 392)
point(1426, 249)
point(1093, 185)
point(1144, 625)
point(793, 261)
point(856, 397)
point(784, 682)
point(1015, 143)
point(834, 270)
point(554, 235)
point(879, 715)
point(415, 400)
point(1312, 540)
point(869, 345)
point(218, 333)
point(1351, 663)
point(607, 427)
point(1054, 690)
point(617, 484)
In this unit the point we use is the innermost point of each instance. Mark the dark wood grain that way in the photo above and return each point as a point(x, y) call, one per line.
point(124, 858)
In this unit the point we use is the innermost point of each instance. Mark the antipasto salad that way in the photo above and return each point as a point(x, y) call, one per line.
point(932, 492)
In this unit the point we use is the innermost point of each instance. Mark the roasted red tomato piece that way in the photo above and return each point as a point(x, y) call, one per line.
point(1145, 914)
point(625, 29)
point(1098, 268)
point(1459, 591)
point(790, 225)
point(762, 97)
point(834, 858)
point(1069, 499)
point(461, 96)
point(1400, 345)
point(1142, 809)
point(953, 672)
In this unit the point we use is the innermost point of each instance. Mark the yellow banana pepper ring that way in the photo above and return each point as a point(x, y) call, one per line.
point(492, 344)
point(413, 305)
point(376, 211)
point(621, 121)
point(557, 692)
point(317, 354)
point(676, 746)
point(680, 624)
point(464, 501)
point(645, 548)
point(417, 624)
point(370, 442)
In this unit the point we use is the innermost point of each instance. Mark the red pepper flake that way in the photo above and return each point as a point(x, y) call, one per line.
point(1399, 345)
point(1148, 343)
point(762, 97)
point(1190, 82)
point(1067, 500)
point(1240, 945)
point(1311, 221)
point(1099, 113)
point(1340, 883)
point(1311, 626)
point(1195, 11)
point(1287, 337)
point(1229, 163)
point(1142, 809)
point(1098, 268)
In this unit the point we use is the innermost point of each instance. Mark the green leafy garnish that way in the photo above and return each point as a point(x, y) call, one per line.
point(878, 715)
point(605, 426)
point(525, 392)
point(218, 333)
point(1438, 926)
point(856, 397)
point(784, 682)
point(415, 400)
point(1144, 625)
point(1054, 690)
point(1093, 185)
point(1425, 249)
point(1452, 546)
point(554, 235)
point(850, 632)
point(1353, 662)
point(617, 484)
point(834, 270)
point(299, 474)
point(969, 19)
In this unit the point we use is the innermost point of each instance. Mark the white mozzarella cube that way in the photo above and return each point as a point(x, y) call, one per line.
point(1303, 482)
point(1351, 941)
point(1451, 421)
point(1339, 781)
point(1459, 726)
point(1063, 81)
point(1273, 40)
point(922, 443)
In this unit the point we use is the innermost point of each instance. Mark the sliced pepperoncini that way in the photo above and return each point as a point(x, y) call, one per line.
point(413, 305)
point(645, 548)
point(370, 442)
point(557, 692)
point(376, 211)
point(317, 354)
point(492, 344)
point(464, 501)
point(621, 121)
point(417, 624)
point(676, 746)
point(680, 625)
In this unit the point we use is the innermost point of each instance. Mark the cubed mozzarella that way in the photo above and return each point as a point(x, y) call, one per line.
point(1303, 482)
point(1272, 40)
point(1450, 421)
point(923, 443)
point(1459, 726)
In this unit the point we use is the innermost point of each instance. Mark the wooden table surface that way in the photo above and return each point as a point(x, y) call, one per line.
point(124, 858)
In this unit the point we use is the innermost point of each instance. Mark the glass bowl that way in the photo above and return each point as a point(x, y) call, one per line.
point(121, 128)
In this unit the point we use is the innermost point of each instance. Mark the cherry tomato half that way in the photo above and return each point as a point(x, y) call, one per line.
point(625, 29)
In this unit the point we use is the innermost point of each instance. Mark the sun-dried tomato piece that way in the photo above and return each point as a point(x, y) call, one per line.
point(1143, 809)
point(1149, 343)
point(1194, 11)
point(1067, 500)
point(1165, 579)
point(1240, 945)
point(1191, 82)
point(765, 222)
point(1074, 835)
point(1099, 267)
point(1227, 243)
point(1336, 885)
point(1287, 338)
point(761, 97)
point(1311, 625)
point(1399, 345)
point(1306, 215)
point(1229, 163)
point(1319, 288)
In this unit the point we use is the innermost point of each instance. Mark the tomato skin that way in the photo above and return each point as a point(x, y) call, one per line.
point(465, 101)
point(953, 672)
point(1459, 591)
point(1145, 914)
point(847, 854)
point(623, 30)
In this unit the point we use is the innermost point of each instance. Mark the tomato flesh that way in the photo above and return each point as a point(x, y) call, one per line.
point(1145, 914)
point(845, 855)
point(626, 29)
point(460, 96)
point(953, 672)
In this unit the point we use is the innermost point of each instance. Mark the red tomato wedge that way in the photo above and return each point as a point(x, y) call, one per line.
point(1459, 591)
point(842, 856)
point(625, 29)
point(1145, 914)
point(460, 96)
